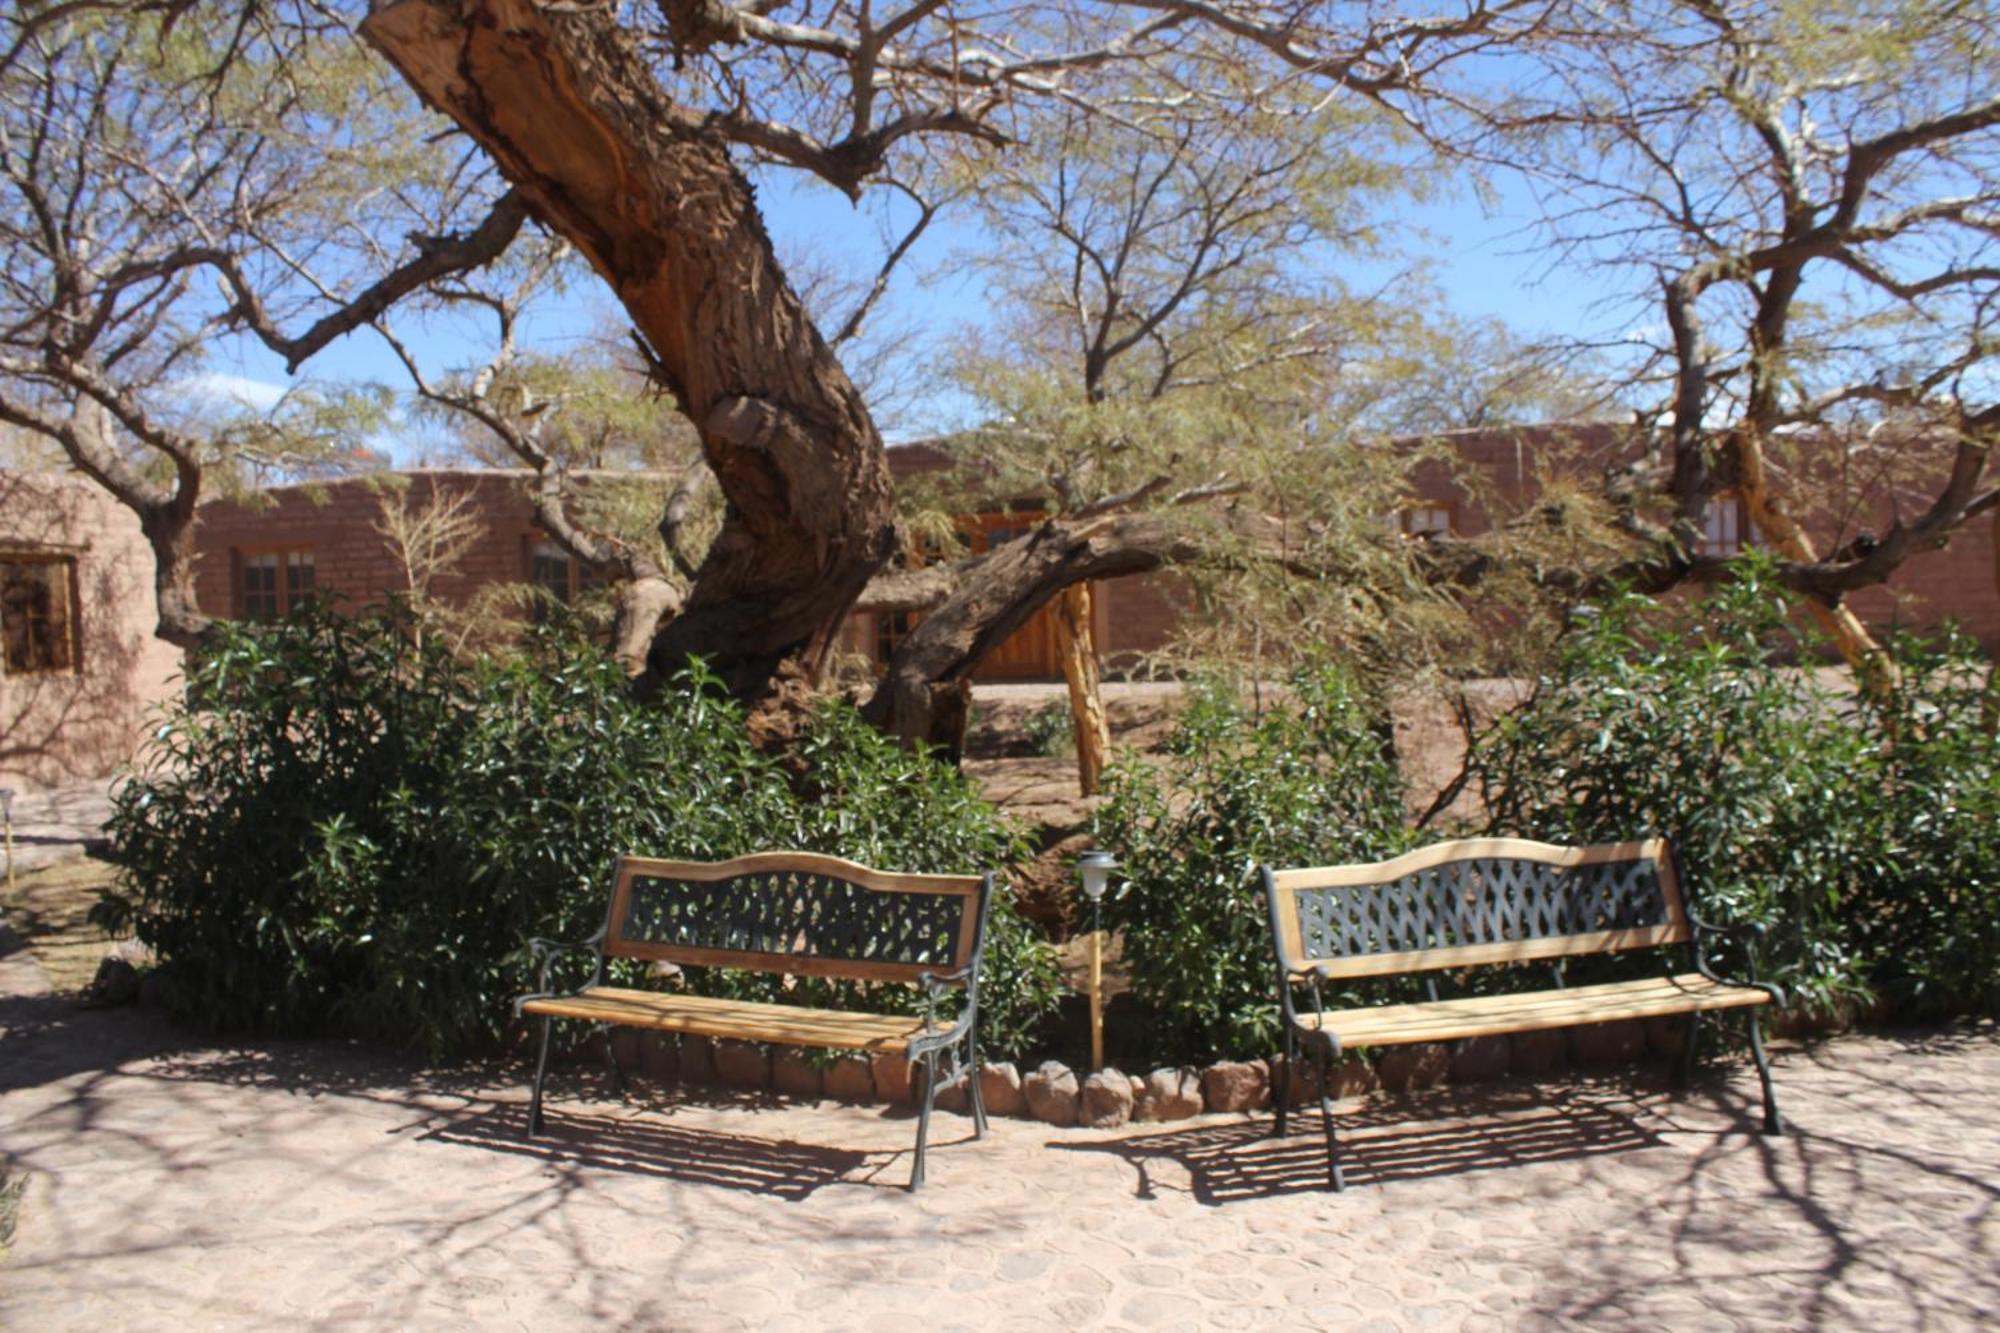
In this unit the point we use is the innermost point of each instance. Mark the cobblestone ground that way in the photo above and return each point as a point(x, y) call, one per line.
point(283, 1184)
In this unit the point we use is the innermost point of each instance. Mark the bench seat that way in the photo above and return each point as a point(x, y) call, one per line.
point(745, 1020)
point(1490, 1015)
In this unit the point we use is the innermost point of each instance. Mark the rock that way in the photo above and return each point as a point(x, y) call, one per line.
point(892, 1078)
point(1168, 1094)
point(1052, 1093)
point(698, 1060)
point(955, 1096)
point(156, 989)
point(1353, 1076)
point(1414, 1067)
point(742, 1064)
point(660, 1055)
point(132, 951)
point(1540, 1052)
point(793, 1075)
point(1303, 1088)
point(850, 1078)
point(1000, 1089)
point(116, 983)
point(1237, 1085)
point(1481, 1059)
point(1605, 1044)
point(1107, 1100)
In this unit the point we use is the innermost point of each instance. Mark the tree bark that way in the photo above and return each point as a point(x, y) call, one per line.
point(927, 691)
point(1872, 667)
point(572, 116)
point(1076, 643)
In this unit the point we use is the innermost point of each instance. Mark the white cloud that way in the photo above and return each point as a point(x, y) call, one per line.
point(219, 390)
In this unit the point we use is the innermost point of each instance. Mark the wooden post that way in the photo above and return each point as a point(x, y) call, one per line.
point(1076, 645)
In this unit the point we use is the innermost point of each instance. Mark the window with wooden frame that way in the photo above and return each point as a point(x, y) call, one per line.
point(273, 582)
point(1724, 526)
point(1431, 518)
point(38, 614)
point(558, 573)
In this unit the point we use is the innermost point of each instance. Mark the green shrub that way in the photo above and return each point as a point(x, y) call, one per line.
point(346, 833)
point(1305, 781)
point(1683, 723)
point(1923, 912)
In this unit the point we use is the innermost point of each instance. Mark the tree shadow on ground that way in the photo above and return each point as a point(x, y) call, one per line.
point(1385, 1141)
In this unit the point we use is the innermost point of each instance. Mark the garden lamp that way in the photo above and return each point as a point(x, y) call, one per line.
point(1094, 869)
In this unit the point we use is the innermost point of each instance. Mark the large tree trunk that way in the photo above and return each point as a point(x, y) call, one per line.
point(573, 117)
point(169, 530)
point(927, 691)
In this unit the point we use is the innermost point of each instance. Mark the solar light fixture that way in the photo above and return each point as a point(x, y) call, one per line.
point(1094, 869)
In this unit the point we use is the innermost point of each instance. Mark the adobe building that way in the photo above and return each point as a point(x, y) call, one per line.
point(258, 556)
point(80, 669)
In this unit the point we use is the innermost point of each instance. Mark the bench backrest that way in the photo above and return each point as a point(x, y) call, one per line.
point(796, 912)
point(1481, 900)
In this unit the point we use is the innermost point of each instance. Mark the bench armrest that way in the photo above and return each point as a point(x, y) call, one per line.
point(935, 984)
point(543, 952)
point(1749, 931)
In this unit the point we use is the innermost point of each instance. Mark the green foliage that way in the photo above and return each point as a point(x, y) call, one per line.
point(1051, 729)
point(347, 833)
point(1305, 780)
point(1924, 910)
point(1854, 836)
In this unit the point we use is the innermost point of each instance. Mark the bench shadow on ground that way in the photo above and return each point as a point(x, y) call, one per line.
point(1384, 1141)
point(786, 1170)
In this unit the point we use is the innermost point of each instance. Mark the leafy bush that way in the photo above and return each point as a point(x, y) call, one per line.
point(1923, 912)
point(343, 832)
point(1854, 833)
point(1050, 730)
point(1684, 724)
point(1306, 781)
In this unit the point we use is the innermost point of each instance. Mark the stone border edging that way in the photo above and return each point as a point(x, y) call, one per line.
point(1058, 1095)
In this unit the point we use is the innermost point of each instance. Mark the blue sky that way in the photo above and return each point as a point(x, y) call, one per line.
point(1486, 264)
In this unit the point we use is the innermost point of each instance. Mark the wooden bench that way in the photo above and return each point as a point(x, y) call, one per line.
point(796, 913)
point(1489, 901)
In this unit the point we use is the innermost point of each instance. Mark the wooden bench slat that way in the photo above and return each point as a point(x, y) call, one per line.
point(1489, 1015)
point(745, 1020)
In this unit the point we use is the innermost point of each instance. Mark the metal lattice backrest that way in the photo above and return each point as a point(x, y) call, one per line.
point(1486, 900)
point(796, 912)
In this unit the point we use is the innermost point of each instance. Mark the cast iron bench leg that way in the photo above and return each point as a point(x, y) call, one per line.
point(978, 1099)
point(541, 1075)
point(924, 1117)
point(611, 1061)
point(1684, 1072)
point(1334, 1175)
point(1773, 1123)
point(1281, 1094)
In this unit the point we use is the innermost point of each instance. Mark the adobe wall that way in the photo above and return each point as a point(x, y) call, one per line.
point(87, 723)
point(1958, 581)
point(338, 522)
